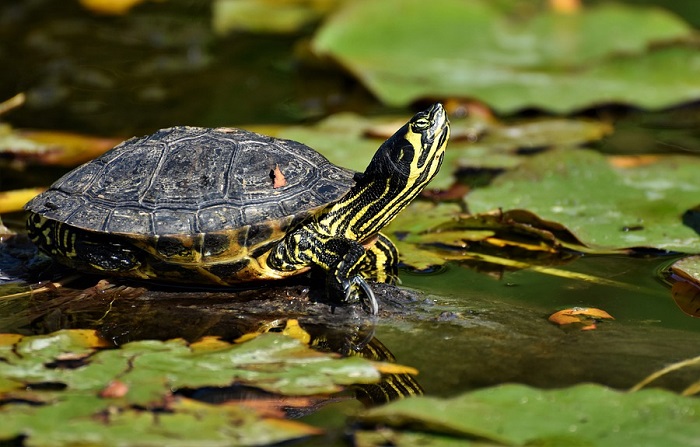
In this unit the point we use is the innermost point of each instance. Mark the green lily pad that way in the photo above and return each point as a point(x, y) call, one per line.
point(516, 415)
point(104, 396)
point(350, 140)
point(74, 421)
point(429, 235)
point(280, 16)
point(549, 60)
point(344, 140)
point(605, 208)
point(271, 362)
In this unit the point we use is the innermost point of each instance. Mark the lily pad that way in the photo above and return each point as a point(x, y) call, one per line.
point(686, 287)
point(350, 140)
point(69, 422)
point(604, 207)
point(429, 235)
point(559, 62)
point(268, 16)
point(516, 415)
point(105, 396)
point(272, 362)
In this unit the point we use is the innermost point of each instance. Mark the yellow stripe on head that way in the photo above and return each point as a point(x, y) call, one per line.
point(398, 172)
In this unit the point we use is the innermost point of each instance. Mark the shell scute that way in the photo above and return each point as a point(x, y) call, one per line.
point(218, 217)
point(94, 215)
point(126, 177)
point(124, 219)
point(77, 182)
point(168, 221)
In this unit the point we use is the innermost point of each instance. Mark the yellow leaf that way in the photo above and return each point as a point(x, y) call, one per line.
point(293, 330)
point(110, 7)
point(565, 6)
point(13, 201)
point(246, 337)
point(209, 343)
point(67, 148)
point(9, 339)
point(88, 338)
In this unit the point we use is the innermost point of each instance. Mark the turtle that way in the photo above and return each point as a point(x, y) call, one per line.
point(225, 206)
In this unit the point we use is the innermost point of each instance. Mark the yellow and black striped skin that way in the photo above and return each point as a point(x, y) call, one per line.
point(334, 238)
point(341, 237)
point(392, 386)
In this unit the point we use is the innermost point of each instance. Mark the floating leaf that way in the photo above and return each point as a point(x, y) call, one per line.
point(111, 7)
point(429, 235)
point(12, 103)
point(70, 422)
point(103, 397)
point(686, 290)
point(686, 295)
point(270, 16)
point(273, 362)
point(516, 415)
point(341, 137)
point(475, 49)
point(605, 208)
point(586, 317)
point(52, 147)
point(351, 141)
point(542, 133)
point(688, 268)
point(13, 201)
point(9, 340)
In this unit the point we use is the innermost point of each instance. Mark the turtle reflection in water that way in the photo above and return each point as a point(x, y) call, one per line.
point(225, 206)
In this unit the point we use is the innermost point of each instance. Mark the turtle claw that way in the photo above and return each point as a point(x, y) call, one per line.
point(369, 294)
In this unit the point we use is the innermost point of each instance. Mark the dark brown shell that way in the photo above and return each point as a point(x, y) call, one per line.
point(190, 180)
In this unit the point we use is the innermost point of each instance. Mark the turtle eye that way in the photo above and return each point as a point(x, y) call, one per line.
point(421, 124)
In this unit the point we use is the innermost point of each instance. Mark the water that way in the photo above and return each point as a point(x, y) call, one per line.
point(467, 328)
point(501, 333)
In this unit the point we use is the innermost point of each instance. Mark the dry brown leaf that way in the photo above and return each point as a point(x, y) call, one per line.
point(114, 390)
point(585, 316)
point(565, 6)
point(633, 161)
point(686, 295)
point(278, 180)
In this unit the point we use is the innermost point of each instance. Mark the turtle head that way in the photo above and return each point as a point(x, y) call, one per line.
point(414, 153)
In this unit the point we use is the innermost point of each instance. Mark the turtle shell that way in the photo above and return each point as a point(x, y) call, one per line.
point(186, 185)
point(187, 180)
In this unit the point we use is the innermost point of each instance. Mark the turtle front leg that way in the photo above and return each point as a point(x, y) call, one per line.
point(342, 259)
point(350, 263)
